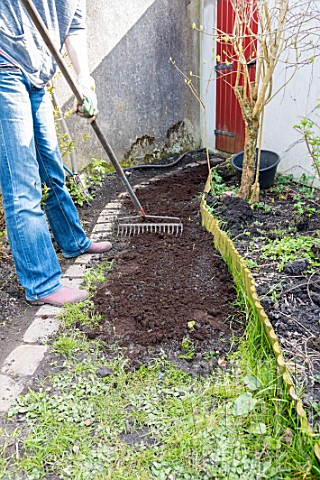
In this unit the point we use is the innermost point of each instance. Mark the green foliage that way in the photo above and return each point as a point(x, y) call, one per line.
point(93, 176)
point(69, 345)
point(310, 132)
point(263, 206)
point(45, 193)
point(244, 404)
point(188, 346)
point(251, 263)
point(157, 422)
point(66, 144)
point(217, 183)
point(77, 192)
point(281, 184)
point(98, 275)
point(79, 314)
point(290, 248)
point(96, 171)
point(301, 206)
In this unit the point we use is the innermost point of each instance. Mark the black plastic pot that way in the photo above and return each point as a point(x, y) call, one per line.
point(268, 166)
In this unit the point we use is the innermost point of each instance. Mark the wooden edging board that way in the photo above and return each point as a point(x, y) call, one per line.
point(239, 268)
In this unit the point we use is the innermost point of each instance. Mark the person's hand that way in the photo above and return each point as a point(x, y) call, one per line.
point(89, 107)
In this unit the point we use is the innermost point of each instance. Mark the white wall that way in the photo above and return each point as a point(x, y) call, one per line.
point(284, 111)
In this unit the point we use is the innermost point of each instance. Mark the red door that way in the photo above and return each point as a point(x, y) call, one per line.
point(229, 130)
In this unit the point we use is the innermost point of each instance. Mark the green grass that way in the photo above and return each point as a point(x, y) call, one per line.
point(98, 275)
point(157, 422)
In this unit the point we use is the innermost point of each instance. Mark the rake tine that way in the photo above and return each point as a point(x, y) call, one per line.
point(129, 229)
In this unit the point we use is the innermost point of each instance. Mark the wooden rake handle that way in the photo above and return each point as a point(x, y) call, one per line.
point(42, 29)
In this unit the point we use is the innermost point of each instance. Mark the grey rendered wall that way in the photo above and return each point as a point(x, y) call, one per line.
point(145, 106)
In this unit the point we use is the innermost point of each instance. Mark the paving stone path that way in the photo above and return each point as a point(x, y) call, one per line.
point(21, 364)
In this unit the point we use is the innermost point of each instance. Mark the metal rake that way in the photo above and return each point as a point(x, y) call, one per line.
point(144, 225)
point(127, 226)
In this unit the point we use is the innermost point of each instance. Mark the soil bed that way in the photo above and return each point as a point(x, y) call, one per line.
point(170, 293)
point(290, 294)
point(165, 293)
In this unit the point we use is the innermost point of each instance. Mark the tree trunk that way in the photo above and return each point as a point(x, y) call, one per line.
point(249, 157)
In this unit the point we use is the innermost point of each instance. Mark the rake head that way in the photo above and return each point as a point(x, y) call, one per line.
point(128, 226)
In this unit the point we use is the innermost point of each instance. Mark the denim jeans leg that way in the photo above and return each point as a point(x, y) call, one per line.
point(35, 259)
point(59, 207)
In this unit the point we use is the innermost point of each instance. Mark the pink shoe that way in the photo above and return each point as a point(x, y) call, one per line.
point(65, 295)
point(99, 247)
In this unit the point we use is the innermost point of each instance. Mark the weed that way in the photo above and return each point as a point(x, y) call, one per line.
point(217, 183)
point(263, 206)
point(189, 348)
point(94, 175)
point(79, 313)
point(45, 193)
point(96, 171)
point(77, 192)
point(251, 263)
point(311, 135)
point(282, 232)
point(97, 275)
point(288, 249)
point(69, 344)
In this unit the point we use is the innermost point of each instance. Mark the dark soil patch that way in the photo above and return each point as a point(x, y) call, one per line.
point(290, 297)
point(160, 283)
point(170, 291)
point(15, 314)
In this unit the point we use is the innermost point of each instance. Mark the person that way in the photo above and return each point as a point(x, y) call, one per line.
point(29, 151)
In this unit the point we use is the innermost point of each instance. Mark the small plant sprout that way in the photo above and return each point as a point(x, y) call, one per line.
point(191, 325)
point(188, 346)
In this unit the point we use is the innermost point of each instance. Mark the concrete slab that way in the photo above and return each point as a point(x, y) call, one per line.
point(83, 259)
point(103, 227)
point(48, 311)
point(24, 360)
point(75, 271)
point(114, 205)
point(108, 217)
point(9, 390)
point(71, 282)
point(97, 236)
point(41, 329)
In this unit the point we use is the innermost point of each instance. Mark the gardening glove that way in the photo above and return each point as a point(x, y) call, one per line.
point(89, 107)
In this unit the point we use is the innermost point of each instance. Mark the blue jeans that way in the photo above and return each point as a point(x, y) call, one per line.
point(30, 157)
